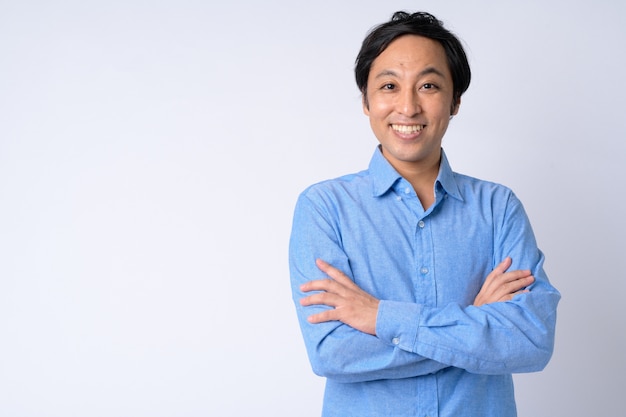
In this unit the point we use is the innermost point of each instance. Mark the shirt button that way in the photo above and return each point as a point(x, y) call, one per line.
point(407, 190)
point(398, 198)
point(424, 270)
point(395, 341)
point(421, 224)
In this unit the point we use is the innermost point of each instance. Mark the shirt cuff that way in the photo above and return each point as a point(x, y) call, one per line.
point(397, 323)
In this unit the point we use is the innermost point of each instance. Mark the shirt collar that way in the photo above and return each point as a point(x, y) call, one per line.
point(446, 178)
point(384, 175)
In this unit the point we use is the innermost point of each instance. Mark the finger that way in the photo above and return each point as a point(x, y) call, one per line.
point(500, 279)
point(496, 277)
point(519, 284)
point(512, 282)
point(504, 265)
point(510, 289)
point(509, 297)
point(501, 288)
point(322, 298)
point(324, 316)
point(333, 272)
point(318, 285)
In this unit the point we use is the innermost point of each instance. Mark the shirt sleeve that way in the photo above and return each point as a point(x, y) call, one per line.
point(497, 338)
point(337, 350)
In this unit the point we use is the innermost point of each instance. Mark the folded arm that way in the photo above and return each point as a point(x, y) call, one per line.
point(335, 349)
point(358, 309)
point(516, 335)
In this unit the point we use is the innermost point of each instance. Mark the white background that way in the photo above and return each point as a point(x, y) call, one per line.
point(151, 154)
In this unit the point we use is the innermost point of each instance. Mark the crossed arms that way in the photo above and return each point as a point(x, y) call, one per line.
point(358, 309)
point(353, 334)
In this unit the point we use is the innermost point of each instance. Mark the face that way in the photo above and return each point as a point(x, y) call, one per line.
point(409, 102)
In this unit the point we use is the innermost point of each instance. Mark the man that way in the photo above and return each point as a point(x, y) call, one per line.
point(419, 291)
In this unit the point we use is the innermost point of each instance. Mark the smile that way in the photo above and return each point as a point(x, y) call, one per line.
point(407, 129)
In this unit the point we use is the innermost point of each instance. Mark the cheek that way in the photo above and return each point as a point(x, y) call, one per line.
point(443, 110)
point(378, 108)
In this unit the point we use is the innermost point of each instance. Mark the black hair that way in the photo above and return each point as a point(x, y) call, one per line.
point(421, 24)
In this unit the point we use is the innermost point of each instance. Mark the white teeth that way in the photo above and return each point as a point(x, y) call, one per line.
point(406, 129)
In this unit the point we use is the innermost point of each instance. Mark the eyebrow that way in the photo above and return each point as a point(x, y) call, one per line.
point(425, 71)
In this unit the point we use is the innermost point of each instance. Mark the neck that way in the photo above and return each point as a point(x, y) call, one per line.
point(422, 177)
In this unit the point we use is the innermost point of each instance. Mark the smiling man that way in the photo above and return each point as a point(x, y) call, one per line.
point(419, 290)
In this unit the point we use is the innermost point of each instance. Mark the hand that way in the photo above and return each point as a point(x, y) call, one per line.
point(352, 305)
point(503, 286)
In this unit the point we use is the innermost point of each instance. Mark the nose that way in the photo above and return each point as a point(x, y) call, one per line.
point(408, 103)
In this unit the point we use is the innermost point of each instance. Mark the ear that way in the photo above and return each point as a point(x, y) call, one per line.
point(455, 107)
point(365, 103)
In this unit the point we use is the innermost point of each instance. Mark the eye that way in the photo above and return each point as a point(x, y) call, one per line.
point(388, 86)
point(429, 87)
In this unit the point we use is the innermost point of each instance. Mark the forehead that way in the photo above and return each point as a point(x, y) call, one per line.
point(411, 52)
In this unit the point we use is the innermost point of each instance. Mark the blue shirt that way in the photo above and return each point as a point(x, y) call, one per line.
point(434, 354)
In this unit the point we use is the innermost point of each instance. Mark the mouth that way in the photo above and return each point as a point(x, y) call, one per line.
point(407, 129)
